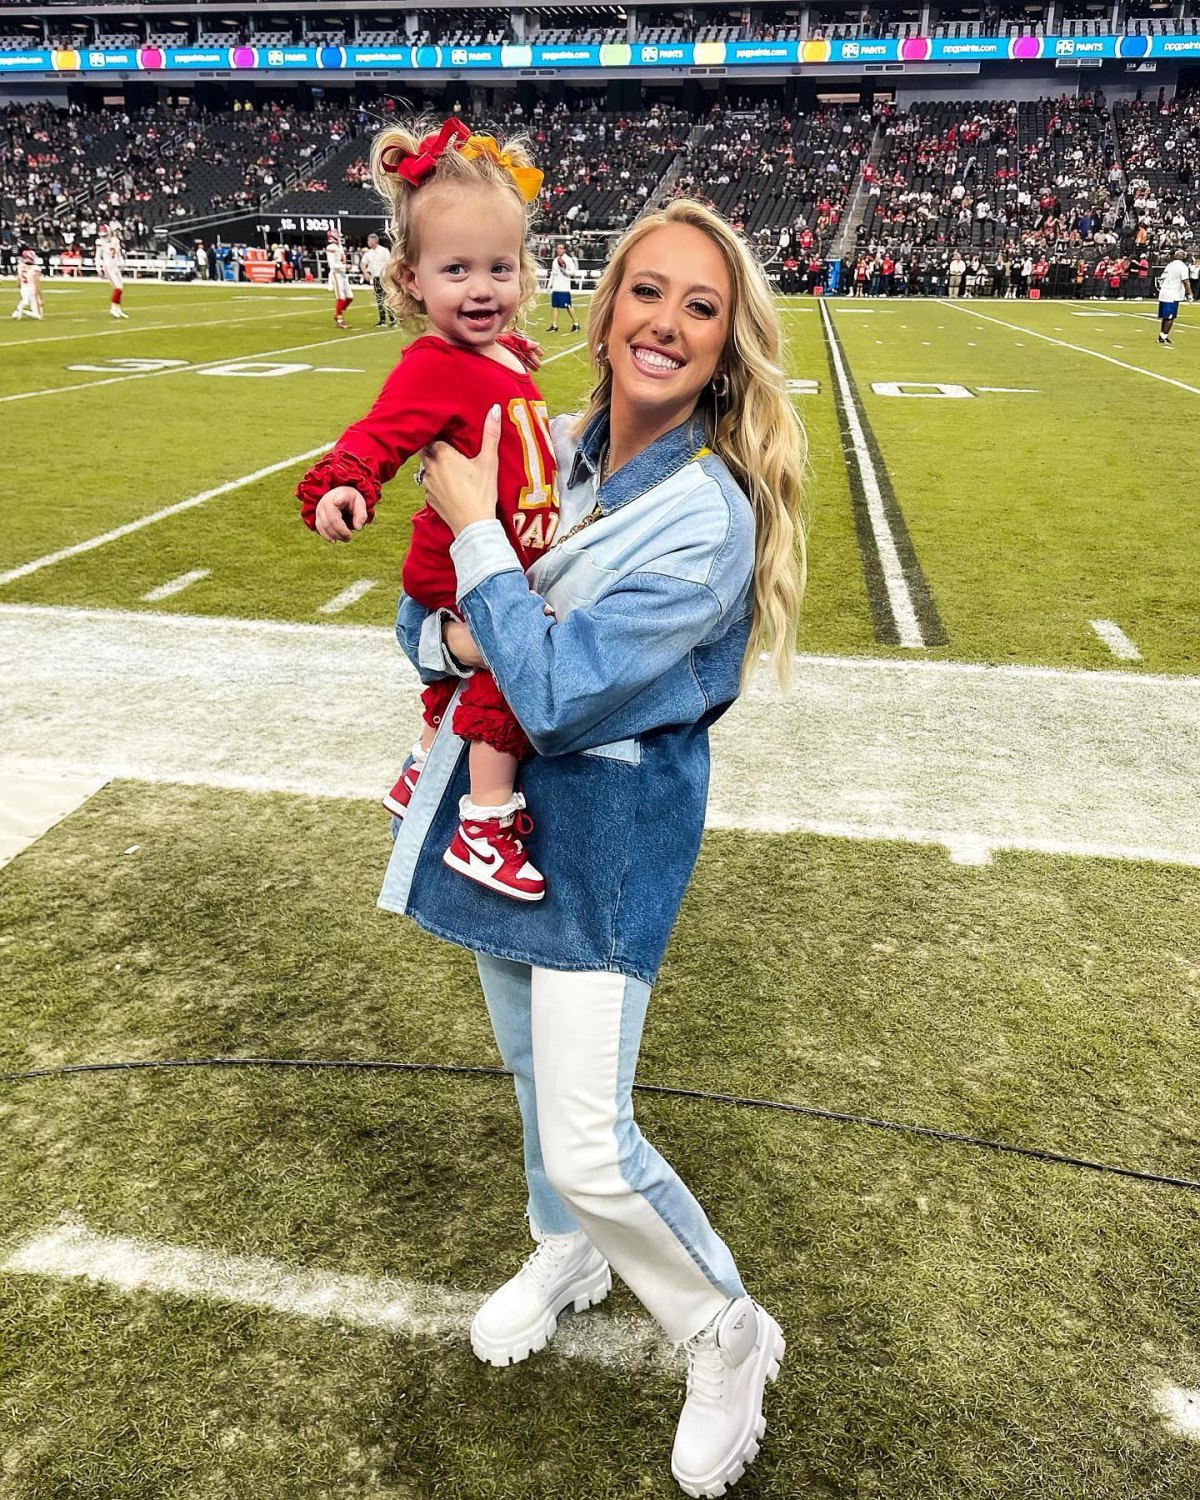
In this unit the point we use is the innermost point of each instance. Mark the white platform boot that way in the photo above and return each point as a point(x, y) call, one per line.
point(721, 1425)
point(566, 1270)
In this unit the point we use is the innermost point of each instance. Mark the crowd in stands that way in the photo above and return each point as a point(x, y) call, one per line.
point(998, 182)
point(62, 170)
point(601, 168)
point(1160, 151)
point(767, 171)
point(57, 164)
point(1037, 195)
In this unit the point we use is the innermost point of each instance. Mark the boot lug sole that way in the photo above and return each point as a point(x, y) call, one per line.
point(731, 1469)
point(500, 1356)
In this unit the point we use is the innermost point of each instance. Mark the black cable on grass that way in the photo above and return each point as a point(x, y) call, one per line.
point(377, 1065)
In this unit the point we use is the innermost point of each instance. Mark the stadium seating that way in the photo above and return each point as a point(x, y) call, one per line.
point(766, 171)
point(981, 176)
point(1160, 149)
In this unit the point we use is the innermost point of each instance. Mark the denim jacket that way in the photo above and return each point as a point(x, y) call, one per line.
point(651, 617)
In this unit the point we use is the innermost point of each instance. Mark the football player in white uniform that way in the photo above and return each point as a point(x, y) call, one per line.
point(29, 283)
point(339, 276)
point(109, 259)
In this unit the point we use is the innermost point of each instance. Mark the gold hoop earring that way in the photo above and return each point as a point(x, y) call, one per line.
point(722, 390)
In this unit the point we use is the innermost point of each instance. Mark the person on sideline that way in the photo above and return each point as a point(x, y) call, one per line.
point(373, 263)
point(1173, 288)
point(339, 276)
point(29, 286)
point(679, 559)
point(109, 260)
point(562, 268)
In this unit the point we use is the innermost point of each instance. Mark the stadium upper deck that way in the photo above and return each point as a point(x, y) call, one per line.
point(57, 39)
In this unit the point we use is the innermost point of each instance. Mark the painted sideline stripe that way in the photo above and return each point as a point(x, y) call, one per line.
point(175, 585)
point(208, 364)
point(349, 595)
point(1075, 348)
point(159, 515)
point(888, 665)
point(1099, 764)
point(407, 1308)
point(1116, 640)
point(883, 550)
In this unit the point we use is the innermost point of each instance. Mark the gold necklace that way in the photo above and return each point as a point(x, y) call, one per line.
point(594, 514)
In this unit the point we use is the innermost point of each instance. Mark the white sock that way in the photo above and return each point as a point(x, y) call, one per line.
point(475, 812)
point(419, 755)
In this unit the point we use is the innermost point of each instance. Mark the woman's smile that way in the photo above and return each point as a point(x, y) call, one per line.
point(656, 362)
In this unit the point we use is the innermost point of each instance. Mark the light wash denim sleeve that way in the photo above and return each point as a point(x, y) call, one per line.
point(568, 682)
point(419, 632)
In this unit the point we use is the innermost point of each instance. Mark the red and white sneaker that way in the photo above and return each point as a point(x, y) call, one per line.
point(396, 801)
point(487, 848)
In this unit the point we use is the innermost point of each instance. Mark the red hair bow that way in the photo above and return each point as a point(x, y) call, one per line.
point(416, 167)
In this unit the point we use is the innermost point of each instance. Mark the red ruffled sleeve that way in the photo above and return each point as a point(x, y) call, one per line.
point(418, 403)
point(338, 467)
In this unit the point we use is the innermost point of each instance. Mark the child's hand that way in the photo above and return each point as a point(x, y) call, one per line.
point(340, 513)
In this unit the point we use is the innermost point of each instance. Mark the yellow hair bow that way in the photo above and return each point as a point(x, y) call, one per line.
point(528, 179)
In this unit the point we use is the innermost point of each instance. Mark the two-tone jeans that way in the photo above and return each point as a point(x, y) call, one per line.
point(571, 1042)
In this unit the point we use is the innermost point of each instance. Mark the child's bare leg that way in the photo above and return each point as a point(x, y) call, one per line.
point(428, 733)
point(493, 775)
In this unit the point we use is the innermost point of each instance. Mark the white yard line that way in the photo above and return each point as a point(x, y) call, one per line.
point(562, 353)
point(136, 326)
point(899, 598)
point(404, 1308)
point(229, 358)
point(1180, 1408)
point(1116, 640)
point(349, 595)
point(1077, 349)
point(48, 561)
point(972, 758)
point(175, 585)
point(1154, 318)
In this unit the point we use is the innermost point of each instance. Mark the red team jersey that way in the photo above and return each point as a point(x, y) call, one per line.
point(443, 391)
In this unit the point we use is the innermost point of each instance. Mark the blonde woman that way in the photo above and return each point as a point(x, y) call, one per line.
point(679, 559)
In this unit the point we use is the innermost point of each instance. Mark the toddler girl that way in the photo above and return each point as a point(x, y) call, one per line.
point(460, 265)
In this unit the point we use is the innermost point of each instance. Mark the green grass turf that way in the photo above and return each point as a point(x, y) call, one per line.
point(172, 436)
point(1035, 514)
point(960, 1324)
point(1031, 515)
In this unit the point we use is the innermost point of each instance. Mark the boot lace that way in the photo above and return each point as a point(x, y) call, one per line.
point(543, 1265)
point(706, 1368)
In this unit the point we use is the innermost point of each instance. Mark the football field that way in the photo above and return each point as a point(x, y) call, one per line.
point(948, 904)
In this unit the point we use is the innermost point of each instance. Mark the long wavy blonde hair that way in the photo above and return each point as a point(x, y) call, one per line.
point(754, 427)
point(408, 206)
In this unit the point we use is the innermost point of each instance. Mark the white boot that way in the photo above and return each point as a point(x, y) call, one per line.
point(729, 1364)
point(566, 1270)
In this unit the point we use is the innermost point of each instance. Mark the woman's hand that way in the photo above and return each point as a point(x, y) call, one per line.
point(460, 643)
point(463, 490)
point(340, 513)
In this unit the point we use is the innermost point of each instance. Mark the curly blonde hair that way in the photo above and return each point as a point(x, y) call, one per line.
point(753, 427)
point(407, 206)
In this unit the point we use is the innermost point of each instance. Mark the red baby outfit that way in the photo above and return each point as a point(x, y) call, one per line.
point(443, 391)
